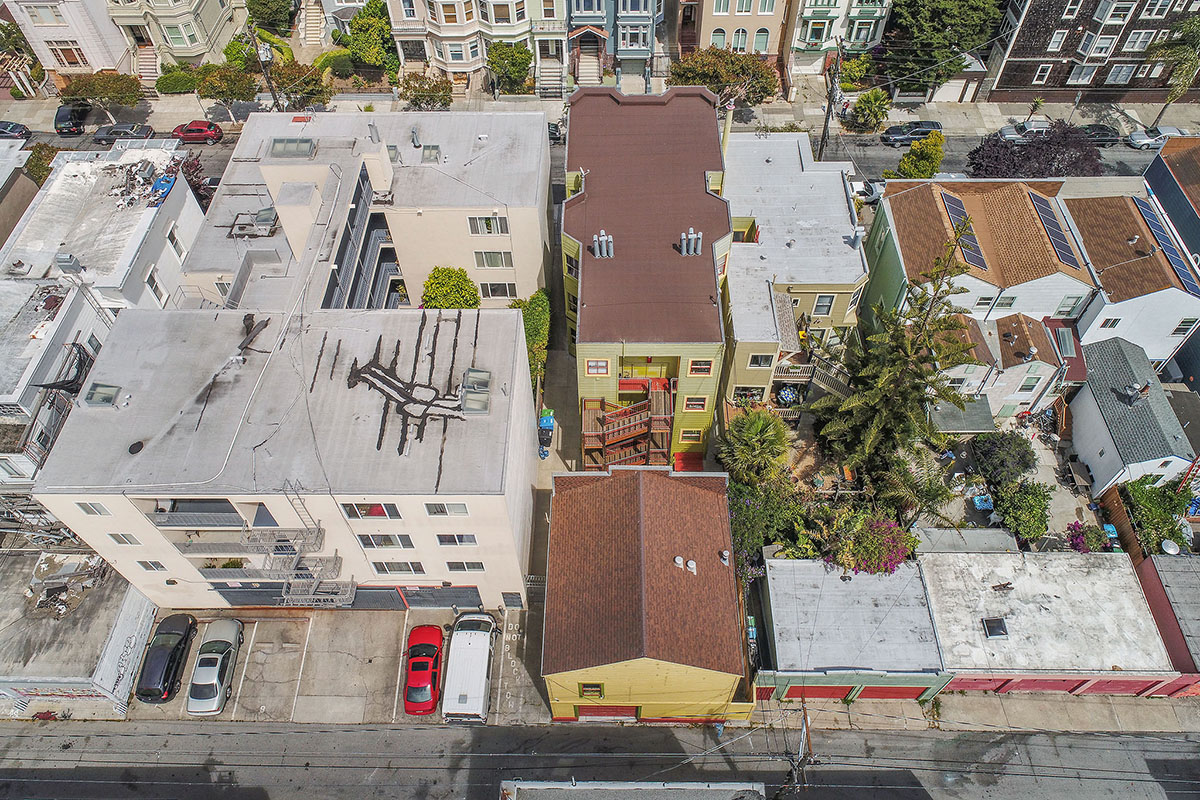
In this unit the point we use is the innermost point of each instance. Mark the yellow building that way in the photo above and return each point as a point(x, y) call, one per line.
point(641, 622)
point(645, 233)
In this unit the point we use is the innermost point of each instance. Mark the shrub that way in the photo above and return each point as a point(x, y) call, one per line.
point(1087, 538)
point(369, 107)
point(37, 73)
point(1025, 506)
point(876, 547)
point(177, 82)
point(276, 14)
point(769, 511)
point(535, 313)
point(16, 93)
point(425, 93)
point(342, 64)
point(449, 287)
point(856, 69)
point(238, 54)
point(38, 165)
point(1003, 458)
point(281, 47)
point(1155, 512)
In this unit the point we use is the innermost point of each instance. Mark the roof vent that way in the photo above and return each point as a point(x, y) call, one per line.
point(264, 222)
point(994, 628)
point(476, 391)
point(691, 566)
point(679, 561)
point(136, 448)
point(1135, 395)
point(416, 140)
point(66, 262)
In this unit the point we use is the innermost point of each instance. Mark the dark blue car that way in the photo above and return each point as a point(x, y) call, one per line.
point(165, 658)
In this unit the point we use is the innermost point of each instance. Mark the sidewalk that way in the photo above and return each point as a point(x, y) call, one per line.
point(1051, 713)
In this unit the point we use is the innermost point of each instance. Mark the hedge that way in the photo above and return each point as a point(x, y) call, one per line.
point(176, 83)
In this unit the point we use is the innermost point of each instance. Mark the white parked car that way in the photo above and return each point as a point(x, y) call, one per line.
point(212, 677)
point(1154, 137)
point(1024, 132)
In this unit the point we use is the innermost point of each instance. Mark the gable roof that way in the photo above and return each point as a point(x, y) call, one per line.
point(1011, 236)
point(970, 333)
point(1141, 431)
point(1182, 156)
point(613, 592)
point(1126, 270)
point(1017, 334)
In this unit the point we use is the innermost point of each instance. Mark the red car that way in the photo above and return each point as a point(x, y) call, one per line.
point(421, 679)
point(198, 130)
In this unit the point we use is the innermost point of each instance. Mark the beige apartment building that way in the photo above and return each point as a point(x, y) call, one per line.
point(350, 458)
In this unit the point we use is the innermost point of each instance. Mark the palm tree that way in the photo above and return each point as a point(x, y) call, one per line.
point(916, 487)
point(871, 108)
point(1035, 107)
point(1181, 53)
point(755, 446)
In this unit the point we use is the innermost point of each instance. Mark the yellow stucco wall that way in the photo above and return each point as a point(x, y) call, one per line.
point(659, 689)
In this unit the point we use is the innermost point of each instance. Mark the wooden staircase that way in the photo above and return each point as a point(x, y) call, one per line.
point(639, 433)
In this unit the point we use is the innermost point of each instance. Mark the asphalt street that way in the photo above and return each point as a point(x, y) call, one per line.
point(871, 158)
point(185, 760)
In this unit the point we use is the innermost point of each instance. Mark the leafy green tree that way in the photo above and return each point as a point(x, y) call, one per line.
point(766, 512)
point(755, 446)
point(927, 38)
point(12, 40)
point(871, 109)
point(1155, 511)
point(535, 313)
point(227, 86)
point(302, 85)
point(1003, 458)
point(897, 372)
point(1025, 506)
point(856, 69)
point(1181, 52)
point(240, 55)
point(425, 93)
point(509, 64)
point(916, 486)
point(449, 287)
point(106, 90)
point(275, 15)
point(371, 39)
point(733, 77)
point(923, 159)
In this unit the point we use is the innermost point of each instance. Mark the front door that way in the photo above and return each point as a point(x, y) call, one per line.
point(549, 49)
point(140, 35)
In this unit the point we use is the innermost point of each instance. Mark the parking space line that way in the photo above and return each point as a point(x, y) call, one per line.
point(245, 666)
point(300, 674)
point(400, 670)
point(501, 661)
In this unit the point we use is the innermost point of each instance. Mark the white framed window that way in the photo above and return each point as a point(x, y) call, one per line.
point(10, 469)
point(93, 509)
point(956, 383)
point(152, 566)
point(766, 6)
point(761, 38)
point(449, 13)
point(456, 52)
point(984, 302)
point(189, 32)
point(1121, 73)
point(1113, 13)
point(1067, 307)
point(124, 538)
point(370, 511)
point(1056, 41)
point(67, 53)
point(823, 305)
point(699, 367)
point(473, 48)
point(155, 287)
point(101, 394)
point(1142, 70)
point(761, 360)
point(1006, 302)
point(1085, 44)
point(548, 9)
point(597, 366)
point(493, 259)
point(500, 13)
point(437, 46)
point(695, 403)
point(739, 40)
point(635, 6)
point(588, 6)
point(410, 9)
point(1138, 41)
point(1029, 384)
point(1157, 69)
point(456, 539)
point(744, 6)
point(818, 31)
point(1043, 73)
point(173, 240)
point(720, 6)
point(45, 15)
point(1103, 45)
point(372, 541)
point(1071, 9)
point(691, 436)
point(464, 566)
point(446, 509)
point(498, 290)
point(223, 288)
point(398, 567)
point(718, 38)
point(1081, 74)
point(864, 30)
point(174, 35)
point(1185, 326)
point(519, 10)
point(1156, 9)
point(634, 36)
point(1111, 322)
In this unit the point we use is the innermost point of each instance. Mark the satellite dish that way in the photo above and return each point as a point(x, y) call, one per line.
point(1170, 547)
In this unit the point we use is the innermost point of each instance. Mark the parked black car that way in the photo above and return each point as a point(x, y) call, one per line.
point(107, 134)
point(909, 132)
point(1102, 135)
point(14, 130)
point(68, 120)
point(165, 658)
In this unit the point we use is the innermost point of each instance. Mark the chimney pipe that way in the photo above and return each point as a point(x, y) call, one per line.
point(691, 242)
point(699, 242)
point(603, 244)
point(610, 246)
point(683, 244)
point(596, 246)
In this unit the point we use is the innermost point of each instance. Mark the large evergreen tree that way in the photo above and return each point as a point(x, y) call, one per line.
point(927, 38)
point(896, 372)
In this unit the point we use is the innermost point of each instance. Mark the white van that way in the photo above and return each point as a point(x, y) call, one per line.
point(468, 685)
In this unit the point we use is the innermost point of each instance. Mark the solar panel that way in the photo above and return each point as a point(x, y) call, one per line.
point(1178, 263)
point(1058, 238)
point(969, 244)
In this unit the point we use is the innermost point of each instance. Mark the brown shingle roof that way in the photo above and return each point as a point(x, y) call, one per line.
point(1126, 270)
point(1011, 236)
point(646, 157)
point(1182, 155)
point(1017, 333)
point(972, 333)
point(613, 592)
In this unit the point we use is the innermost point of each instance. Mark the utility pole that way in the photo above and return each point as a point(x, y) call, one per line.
point(254, 43)
point(797, 778)
point(834, 77)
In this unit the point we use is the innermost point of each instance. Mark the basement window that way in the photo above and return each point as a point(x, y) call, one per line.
point(995, 628)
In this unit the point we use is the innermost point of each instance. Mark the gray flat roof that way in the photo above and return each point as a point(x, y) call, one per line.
point(870, 622)
point(85, 209)
point(12, 158)
point(27, 310)
point(642, 790)
point(974, 417)
point(362, 402)
point(1065, 612)
point(805, 219)
point(1180, 576)
point(37, 646)
point(965, 540)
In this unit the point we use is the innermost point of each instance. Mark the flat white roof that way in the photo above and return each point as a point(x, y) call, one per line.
point(28, 310)
point(805, 219)
point(353, 402)
point(92, 207)
point(1064, 612)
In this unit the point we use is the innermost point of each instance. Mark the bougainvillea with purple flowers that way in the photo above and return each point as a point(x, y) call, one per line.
point(876, 547)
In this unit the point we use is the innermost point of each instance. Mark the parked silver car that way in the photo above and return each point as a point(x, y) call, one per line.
point(1154, 137)
point(1024, 132)
point(212, 677)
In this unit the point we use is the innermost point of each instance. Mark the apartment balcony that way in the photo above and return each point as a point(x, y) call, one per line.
point(202, 545)
point(639, 433)
point(408, 26)
point(196, 519)
point(280, 540)
point(549, 26)
point(319, 594)
point(281, 568)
